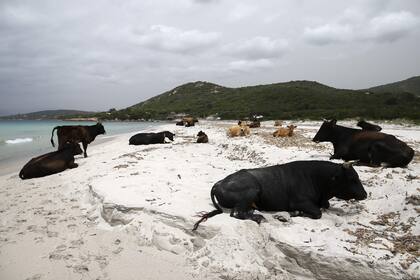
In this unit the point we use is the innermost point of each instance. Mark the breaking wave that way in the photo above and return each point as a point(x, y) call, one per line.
point(18, 140)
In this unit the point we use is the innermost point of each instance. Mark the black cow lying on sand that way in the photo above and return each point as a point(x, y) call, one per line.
point(368, 126)
point(151, 138)
point(255, 124)
point(51, 163)
point(202, 137)
point(369, 147)
point(300, 186)
point(76, 134)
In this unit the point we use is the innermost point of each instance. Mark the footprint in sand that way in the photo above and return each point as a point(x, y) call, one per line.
point(80, 268)
point(118, 250)
point(39, 239)
point(72, 227)
point(52, 234)
point(34, 277)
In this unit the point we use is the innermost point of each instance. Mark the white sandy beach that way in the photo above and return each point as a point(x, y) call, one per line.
point(127, 212)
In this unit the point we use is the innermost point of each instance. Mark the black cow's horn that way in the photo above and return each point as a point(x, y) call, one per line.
point(349, 164)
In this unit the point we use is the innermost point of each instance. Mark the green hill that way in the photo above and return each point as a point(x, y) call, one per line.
point(411, 85)
point(47, 115)
point(295, 99)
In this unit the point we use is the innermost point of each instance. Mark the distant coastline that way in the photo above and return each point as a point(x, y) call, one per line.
point(81, 119)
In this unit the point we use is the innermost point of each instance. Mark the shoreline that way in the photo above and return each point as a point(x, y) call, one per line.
point(24, 152)
point(12, 166)
point(128, 211)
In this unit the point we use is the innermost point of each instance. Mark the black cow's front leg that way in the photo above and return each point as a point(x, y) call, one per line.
point(325, 204)
point(376, 152)
point(84, 149)
point(339, 152)
point(307, 209)
point(72, 164)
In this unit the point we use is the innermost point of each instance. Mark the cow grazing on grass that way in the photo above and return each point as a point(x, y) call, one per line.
point(51, 163)
point(284, 132)
point(202, 137)
point(76, 134)
point(151, 138)
point(369, 147)
point(299, 187)
point(368, 126)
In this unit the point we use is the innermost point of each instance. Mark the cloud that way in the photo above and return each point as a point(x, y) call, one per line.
point(205, 1)
point(328, 34)
point(56, 53)
point(19, 15)
point(384, 28)
point(241, 12)
point(250, 65)
point(391, 27)
point(171, 39)
point(257, 48)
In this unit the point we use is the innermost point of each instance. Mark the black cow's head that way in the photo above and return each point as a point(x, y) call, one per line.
point(347, 184)
point(73, 147)
point(168, 134)
point(100, 128)
point(201, 133)
point(325, 131)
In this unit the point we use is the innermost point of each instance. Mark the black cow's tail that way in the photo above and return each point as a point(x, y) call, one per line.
point(205, 216)
point(52, 136)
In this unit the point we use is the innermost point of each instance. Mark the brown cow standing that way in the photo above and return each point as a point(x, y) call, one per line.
point(76, 134)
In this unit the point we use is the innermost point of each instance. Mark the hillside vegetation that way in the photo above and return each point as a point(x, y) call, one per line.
point(411, 85)
point(296, 99)
point(47, 115)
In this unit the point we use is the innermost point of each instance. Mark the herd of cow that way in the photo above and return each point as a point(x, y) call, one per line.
point(301, 187)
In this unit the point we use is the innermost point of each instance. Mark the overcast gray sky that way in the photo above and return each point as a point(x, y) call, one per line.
point(94, 55)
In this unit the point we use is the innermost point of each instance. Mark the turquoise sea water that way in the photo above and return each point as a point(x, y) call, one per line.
point(22, 140)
